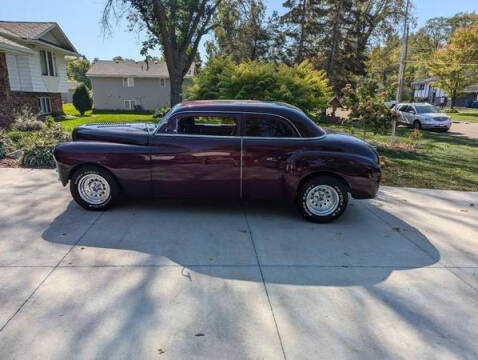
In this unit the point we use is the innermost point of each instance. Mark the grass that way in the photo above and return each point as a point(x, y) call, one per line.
point(467, 115)
point(440, 161)
point(90, 118)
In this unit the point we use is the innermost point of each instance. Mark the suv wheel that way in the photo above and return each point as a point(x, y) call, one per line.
point(322, 199)
point(417, 125)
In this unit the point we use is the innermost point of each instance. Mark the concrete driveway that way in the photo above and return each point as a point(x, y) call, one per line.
point(465, 129)
point(394, 278)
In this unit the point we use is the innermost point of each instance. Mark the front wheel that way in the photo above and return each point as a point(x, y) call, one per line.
point(94, 188)
point(417, 125)
point(322, 199)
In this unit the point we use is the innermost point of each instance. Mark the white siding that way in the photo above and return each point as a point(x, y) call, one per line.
point(24, 73)
point(13, 77)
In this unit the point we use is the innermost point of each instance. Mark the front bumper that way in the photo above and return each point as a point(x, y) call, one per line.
point(437, 125)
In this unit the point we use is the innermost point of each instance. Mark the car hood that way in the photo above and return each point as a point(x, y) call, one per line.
point(435, 116)
point(136, 133)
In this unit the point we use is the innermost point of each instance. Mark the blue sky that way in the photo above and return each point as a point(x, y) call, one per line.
point(81, 22)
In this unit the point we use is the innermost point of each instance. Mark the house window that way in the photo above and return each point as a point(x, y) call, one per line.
point(45, 105)
point(162, 82)
point(128, 82)
point(129, 104)
point(48, 63)
point(421, 87)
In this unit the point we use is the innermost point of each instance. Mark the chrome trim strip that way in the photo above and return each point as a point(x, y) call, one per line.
point(243, 137)
point(232, 113)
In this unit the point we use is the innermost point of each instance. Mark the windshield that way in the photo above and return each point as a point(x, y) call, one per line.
point(163, 119)
point(425, 109)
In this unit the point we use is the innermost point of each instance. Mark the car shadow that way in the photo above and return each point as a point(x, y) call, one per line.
point(206, 237)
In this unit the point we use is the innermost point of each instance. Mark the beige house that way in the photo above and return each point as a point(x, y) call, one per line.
point(131, 85)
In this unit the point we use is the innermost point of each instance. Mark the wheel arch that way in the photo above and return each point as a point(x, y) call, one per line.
point(79, 166)
point(309, 176)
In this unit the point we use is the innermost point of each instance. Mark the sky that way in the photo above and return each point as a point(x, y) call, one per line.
point(80, 20)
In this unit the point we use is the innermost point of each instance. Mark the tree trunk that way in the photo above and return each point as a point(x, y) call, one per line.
point(176, 81)
point(453, 101)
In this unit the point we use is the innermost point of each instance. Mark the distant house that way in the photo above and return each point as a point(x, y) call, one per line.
point(424, 91)
point(32, 67)
point(67, 97)
point(131, 85)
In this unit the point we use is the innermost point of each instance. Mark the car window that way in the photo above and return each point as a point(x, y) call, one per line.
point(403, 108)
point(267, 126)
point(208, 125)
point(426, 109)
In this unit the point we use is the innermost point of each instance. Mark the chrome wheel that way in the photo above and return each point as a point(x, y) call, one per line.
point(94, 189)
point(322, 200)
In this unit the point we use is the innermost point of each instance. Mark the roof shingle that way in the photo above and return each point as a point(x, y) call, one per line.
point(25, 30)
point(109, 68)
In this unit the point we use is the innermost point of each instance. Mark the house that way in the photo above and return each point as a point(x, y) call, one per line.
point(131, 85)
point(67, 97)
point(424, 91)
point(32, 67)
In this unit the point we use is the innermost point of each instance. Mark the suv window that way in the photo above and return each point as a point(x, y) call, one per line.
point(267, 126)
point(208, 125)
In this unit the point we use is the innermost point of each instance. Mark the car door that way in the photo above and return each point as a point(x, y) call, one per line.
point(267, 144)
point(198, 155)
point(403, 112)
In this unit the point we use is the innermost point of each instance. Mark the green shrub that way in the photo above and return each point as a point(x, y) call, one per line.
point(450, 111)
point(49, 121)
point(161, 112)
point(300, 85)
point(40, 153)
point(39, 156)
point(82, 99)
point(26, 120)
point(15, 136)
point(6, 144)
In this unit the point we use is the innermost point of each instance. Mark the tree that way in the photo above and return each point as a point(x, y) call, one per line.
point(82, 99)
point(300, 85)
point(454, 66)
point(76, 70)
point(120, 58)
point(240, 31)
point(177, 27)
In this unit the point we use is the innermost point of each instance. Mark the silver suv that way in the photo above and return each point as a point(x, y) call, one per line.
point(422, 116)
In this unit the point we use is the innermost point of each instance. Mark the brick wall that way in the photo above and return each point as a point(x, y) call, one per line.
point(11, 101)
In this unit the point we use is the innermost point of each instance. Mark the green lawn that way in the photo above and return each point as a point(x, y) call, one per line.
point(441, 161)
point(90, 118)
point(468, 115)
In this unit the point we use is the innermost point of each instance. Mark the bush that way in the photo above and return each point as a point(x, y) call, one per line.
point(40, 153)
point(370, 109)
point(161, 112)
point(6, 144)
point(450, 111)
point(26, 120)
point(300, 85)
point(82, 99)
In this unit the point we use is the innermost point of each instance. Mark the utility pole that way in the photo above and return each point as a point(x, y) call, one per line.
point(403, 63)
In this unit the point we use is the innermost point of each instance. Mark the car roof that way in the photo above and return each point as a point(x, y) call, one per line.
point(306, 127)
point(415, 103)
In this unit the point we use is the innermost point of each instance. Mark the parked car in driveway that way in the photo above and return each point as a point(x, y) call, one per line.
point(422, 116)
point(221, 149)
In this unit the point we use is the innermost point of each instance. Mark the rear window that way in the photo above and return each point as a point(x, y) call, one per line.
point(267, 126)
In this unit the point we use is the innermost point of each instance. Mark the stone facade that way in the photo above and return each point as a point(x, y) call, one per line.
point(12, 101)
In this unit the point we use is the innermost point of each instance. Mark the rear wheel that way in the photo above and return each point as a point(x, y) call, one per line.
point(94, 188)
point(322, 199)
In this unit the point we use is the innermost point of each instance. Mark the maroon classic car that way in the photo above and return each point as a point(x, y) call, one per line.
point(221, 149)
